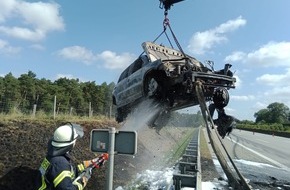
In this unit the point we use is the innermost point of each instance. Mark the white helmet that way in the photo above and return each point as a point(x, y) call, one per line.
point(65, 135)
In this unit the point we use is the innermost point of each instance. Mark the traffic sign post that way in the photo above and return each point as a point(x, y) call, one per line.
point(113, 142)
point(110, 171)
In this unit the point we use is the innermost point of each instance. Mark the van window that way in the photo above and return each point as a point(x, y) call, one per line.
point(124, 74)
point(136, 65)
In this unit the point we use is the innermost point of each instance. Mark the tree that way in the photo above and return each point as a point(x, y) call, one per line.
point(108, 96)
point(279, 112)
point(11, 93)
point(45, 92)
point(274, 113)
point(1, 93)
point(262, 115)
point(27, 85)
point(69, 95)
point(91, 94)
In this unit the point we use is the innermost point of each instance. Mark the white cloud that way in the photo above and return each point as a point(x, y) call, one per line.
point(272, 54)
point(230, 111)
point(201, 42)
point(23, 33)
point(239, 81)
point(235, 56)
point(279, 88)
point(68, 76)
point(36, 18)
point(108, 59)
point(279, 94)
point(275, 94)
point(275, 79)
point(43, 16)
point(6, 9)
point(260, 105)
point(37, 47)
point(242, 98)
point(113, 61)
point(77, 53)
point(6, 48)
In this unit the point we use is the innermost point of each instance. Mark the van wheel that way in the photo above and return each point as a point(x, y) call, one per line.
point(119, 115)
point(151, 86)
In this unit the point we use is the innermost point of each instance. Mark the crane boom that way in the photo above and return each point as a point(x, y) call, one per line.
point(166, 4)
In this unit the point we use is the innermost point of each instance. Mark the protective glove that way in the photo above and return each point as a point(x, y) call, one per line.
point(84, 181)
point(84, 177)
point(88, 173)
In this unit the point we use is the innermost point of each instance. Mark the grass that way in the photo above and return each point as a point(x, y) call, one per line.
point(181, 145)
point(41, 116)
point(204, 150)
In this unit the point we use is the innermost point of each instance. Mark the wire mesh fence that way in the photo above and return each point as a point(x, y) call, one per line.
point(54, 109)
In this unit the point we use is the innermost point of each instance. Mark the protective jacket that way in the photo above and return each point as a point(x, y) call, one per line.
point(57, 172)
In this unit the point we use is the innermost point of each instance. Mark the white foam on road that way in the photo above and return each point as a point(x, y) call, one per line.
point(152, 180)
point(257, 164)
point(216, 184)
point(162, 180)
point(261, 155)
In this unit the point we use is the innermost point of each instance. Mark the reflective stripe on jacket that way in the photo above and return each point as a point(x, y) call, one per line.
point(57, 173)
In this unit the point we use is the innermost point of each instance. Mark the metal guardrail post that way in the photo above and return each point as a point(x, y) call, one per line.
point(189, 170)
point(198, 174)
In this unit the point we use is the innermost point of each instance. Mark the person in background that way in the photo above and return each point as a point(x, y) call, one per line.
point(225, 123)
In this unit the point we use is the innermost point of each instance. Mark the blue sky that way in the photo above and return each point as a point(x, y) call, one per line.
point(95, 40)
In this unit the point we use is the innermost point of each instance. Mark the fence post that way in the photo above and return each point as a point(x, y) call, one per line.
point(54, 107)
point(70, 111)
point(90, 109)
point(34, 110)
point(110, 113)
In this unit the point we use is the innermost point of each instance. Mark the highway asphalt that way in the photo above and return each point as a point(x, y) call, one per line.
point(269, 149)
point(261, 158)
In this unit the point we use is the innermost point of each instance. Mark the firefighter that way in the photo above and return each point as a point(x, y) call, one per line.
point(57, 171)
point(225, 123)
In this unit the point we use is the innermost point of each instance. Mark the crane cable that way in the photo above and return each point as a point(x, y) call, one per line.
point(166, 24)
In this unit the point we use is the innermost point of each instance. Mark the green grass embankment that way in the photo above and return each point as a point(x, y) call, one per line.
point(181, 145)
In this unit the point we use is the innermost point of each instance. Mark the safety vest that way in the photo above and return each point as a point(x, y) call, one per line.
point(46, 184)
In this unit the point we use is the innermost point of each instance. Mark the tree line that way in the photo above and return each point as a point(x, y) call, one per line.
point(275, 117)
point(274, 113)
point(72, 95)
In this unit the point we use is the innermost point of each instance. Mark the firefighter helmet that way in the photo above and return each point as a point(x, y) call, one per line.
point(66, 135)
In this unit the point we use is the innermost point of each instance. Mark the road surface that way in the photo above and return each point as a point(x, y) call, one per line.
point(259, 147)
point(260, 158)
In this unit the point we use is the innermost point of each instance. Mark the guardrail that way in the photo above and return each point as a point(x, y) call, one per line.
point(274, 133)
point(188, 170)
